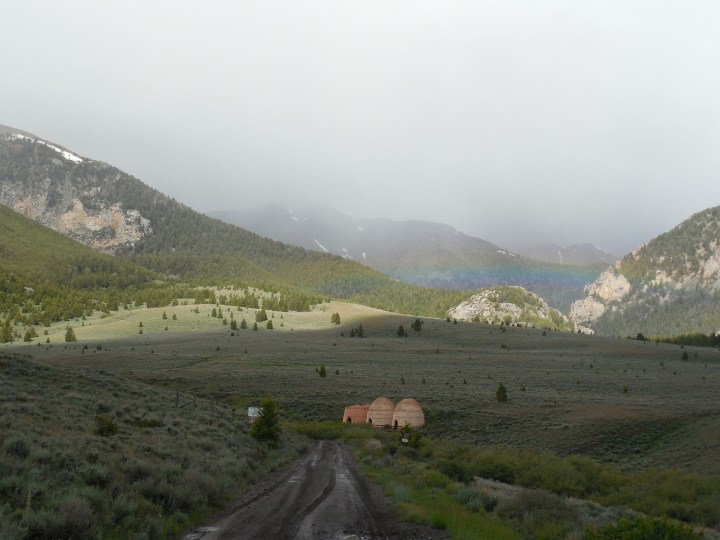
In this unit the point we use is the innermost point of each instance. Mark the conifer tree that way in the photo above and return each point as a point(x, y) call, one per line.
point(70, 334)
point(266, 429)
point(243, 324)
point(501, 393)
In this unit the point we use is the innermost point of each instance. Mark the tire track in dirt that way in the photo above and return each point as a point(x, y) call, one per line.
point(323, 497)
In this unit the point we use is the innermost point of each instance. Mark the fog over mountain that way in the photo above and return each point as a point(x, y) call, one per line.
point(519, 123)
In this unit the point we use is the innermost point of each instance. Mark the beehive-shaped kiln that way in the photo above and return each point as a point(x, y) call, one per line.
point(356, 414)
point(380, 412)
point(408, 412)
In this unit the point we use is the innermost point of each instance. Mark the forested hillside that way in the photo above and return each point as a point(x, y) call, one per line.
point(46, 277)
point(417, 252)
point(669, 286)
point(178, 243)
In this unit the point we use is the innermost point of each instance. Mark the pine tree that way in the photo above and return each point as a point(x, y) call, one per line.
point(401, 331)
point(233, 324)
point(255, 327)
point(360, 331)
point(269, 325)
point(335, 318)
point(266, 428)
point(261, 316)
point(164, 315)
point(6, 336)
point(322, 372)
point(70, 334)
point(501, 393)
point(243, 324)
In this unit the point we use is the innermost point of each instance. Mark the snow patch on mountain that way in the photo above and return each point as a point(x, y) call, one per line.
point(64, 153)
point(326, 250)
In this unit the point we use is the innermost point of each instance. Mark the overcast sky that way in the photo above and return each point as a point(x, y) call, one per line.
point(561, 121)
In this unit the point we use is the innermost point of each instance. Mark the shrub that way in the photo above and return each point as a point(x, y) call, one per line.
point(138, 470)
point(105, 427)
point(643, 527)
point(94, 475)
point(73, 519)
point(476, 500)
point(17, 447)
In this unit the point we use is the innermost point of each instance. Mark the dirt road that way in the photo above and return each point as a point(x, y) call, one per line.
point(322, 496)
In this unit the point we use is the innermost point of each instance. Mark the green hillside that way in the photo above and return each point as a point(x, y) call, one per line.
point(191, 247)
point(45, 276)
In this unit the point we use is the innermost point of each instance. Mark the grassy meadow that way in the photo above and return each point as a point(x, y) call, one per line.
point(635, 407)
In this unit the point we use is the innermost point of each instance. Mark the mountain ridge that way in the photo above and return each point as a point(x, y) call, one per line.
point(93, 201)
point(414, 251)
point(667, 286)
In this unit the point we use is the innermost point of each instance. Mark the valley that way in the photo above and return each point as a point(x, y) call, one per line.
point(632, 406)
point(136, 332)
point(628, 402)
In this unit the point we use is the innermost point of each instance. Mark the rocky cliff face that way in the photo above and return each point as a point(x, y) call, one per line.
point(609, 287)
point(668, 286)
point(64, 192)
point(510, 305)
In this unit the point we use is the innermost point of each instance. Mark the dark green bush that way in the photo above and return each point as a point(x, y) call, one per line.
point(105, 427)
point(16, 447)
point(94, 475)
point(138, 469)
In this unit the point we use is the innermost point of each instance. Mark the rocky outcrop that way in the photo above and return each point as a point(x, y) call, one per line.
point(105, 229)
point(55, 199)
point(667, 286)
point(509, 305)
point(610, 286)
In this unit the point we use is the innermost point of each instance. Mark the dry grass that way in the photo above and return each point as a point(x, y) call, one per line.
point(567, 392)
point(631, 403)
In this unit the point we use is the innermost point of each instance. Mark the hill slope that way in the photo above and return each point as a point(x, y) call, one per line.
point(53, 277)
point(418, 252)
point(510, 305)
point(669, 286)
point(111, 211)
